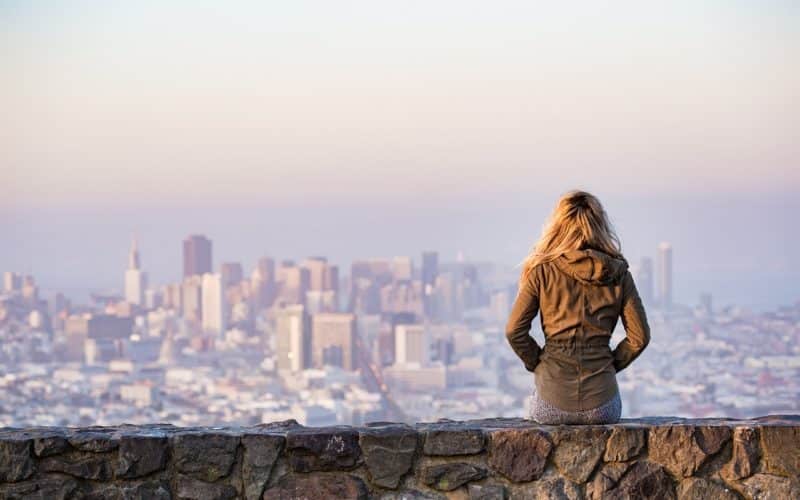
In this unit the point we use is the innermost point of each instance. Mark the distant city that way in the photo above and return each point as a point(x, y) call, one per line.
point(396, 338)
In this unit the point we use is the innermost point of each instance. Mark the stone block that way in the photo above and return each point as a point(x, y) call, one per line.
point(323, 449)
point(206, 456)
point(519, 454)
point(388, 452)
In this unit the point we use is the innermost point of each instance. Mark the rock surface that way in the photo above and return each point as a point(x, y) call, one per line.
point(519, 454)
point(492, 459)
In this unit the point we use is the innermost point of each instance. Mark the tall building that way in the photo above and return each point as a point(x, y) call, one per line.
point(331, 281)
point(89, 334)
point(644, 280)
point(430, 267)
point(333, 340)
point(293, 338)
point(266, 268)
point(135, 278)
point(402, 268)
point(192, 298)
point(430, 271)
point(232, 273)
point(11, 281)
point(411, 345)
point(263, 283)
point(316, 272)
point(196, 255)
point(323, 285)
point(665, 275)
point(294, 285)
point(213, 309)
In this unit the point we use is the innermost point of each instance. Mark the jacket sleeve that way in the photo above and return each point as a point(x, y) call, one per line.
point(525, 308)
point(634, 319)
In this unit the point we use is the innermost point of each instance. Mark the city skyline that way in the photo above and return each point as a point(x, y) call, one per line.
point(396, 337)
point(311, 128)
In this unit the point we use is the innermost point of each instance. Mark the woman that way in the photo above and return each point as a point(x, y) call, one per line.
point(579, 280)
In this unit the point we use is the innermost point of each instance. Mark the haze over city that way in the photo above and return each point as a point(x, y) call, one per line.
point(361, 129)
point(215, 213)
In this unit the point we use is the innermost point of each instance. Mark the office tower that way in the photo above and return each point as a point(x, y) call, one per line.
point(191, 296)
point(333, 340)
point(266, 268)
point(263, 283)
point(293, 338)
point(135, 278)
point(430, 271)
point(411, 345)
point(366, 279)
point(231, 272)
point(171, 296)
point(196, 255)
point(402, 268)
point(331, 281)
point(11, 281)
point(213, 308)
point(153, 298)
point(96, 336)
point(30, 292)
point(280, 272)
point(430, 268)
point(316, 272)
point(644, 280)
point(294, 284)
point(665, 275)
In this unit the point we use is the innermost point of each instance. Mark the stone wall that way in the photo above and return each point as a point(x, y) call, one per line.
point(481, 459)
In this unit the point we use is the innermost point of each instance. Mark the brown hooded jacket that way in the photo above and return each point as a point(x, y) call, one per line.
point(580, 294)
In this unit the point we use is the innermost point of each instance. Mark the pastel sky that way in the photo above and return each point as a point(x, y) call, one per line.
point(179, 113)
point(128, 101)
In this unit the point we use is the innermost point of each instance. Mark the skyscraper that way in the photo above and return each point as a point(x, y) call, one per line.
point(231, 272)
point(11, 281)
point(293, 339)
point(333, 340)
point(430, 271)
point(191, 299)
point(213, 309)
point(430, 267)
point(135, 278)
point(196, 255)
point(411, 345)
point(665, 275)
point(402, 268)
point(316, 272)
point(266, 268)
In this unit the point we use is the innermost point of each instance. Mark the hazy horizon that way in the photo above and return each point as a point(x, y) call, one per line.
point(357, 129)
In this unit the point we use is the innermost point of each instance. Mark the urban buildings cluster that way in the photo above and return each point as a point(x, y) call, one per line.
point(389, 340)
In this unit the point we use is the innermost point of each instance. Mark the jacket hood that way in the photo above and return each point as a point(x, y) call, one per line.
point(592, 266)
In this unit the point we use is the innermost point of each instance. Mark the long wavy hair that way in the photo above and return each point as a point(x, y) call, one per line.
point(578, 222)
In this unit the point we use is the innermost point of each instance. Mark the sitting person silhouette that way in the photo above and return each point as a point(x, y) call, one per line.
point(579, 282)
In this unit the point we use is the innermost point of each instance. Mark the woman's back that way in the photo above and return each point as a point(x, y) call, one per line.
point(580, 297)
point(578, 279)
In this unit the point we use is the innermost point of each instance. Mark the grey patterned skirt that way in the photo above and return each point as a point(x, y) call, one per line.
point(545, 413)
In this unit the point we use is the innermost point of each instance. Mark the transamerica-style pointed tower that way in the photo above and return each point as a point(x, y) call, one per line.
point(133, 256)
point(135, 278)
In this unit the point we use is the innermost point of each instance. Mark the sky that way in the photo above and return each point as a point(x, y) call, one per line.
point(379, 128)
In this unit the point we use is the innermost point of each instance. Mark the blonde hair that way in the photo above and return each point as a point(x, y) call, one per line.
point(578, 222)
